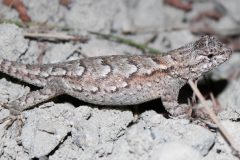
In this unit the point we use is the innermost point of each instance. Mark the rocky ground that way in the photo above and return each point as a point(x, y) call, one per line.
point(66, 128)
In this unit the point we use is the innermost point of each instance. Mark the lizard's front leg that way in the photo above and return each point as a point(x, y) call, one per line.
point(170, 103)
point(178, 110)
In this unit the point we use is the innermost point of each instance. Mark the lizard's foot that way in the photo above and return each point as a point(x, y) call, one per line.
point(15, 116)
point(200, 113)
point(180, 111)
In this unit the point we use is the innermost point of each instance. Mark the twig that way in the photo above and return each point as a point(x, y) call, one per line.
point(142, 47)
point(214, 118)
point(55, 36)
point(36, 25)
point(216, 106)
point(65, 2)
point(179, 4)
point(151, 30)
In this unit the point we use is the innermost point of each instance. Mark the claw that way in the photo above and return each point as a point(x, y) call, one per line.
point(15, 116)
point(9, 121)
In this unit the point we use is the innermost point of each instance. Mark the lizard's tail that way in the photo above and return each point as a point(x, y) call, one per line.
point(24, 72)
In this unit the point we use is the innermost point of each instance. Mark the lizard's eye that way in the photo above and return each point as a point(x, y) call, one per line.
point(210, 56)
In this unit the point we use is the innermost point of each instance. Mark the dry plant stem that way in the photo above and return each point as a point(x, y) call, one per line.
point(216, 107)
point(65, 2)
point(129, 42)
point(213, 100)
point(55, 36)
point(179, 4)
point(213, 116)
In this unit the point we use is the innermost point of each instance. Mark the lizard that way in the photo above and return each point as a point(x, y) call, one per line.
point(120, 79)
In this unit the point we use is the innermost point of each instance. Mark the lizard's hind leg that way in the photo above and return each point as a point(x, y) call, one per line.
point(32, 98)
point(28, 101)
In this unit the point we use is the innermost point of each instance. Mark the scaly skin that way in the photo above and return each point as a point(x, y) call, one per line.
point(120, 80)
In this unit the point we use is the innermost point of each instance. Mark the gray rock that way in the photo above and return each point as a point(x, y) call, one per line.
point(152, 15)
point(96, 47)
point(172, 40)
point(221, 150)
point(226, 27)
point(85, 134)
point(43, 12)
point(10, 91)
point(59, 52)
point(97, 133)
point(229, 69)
point(135, 144)
point(9, 150)
point(69, 151)
point(91, 15)
point(184, 132)
point(233, 129)
point(174, 151)
point(229, 100)
point(12, 42)
point(153, 132)
point(46, 126)
point(8, 13)
point(232, 8)
point(34, 51)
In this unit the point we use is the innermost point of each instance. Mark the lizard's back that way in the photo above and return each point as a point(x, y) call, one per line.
point(111, 80)
point(120, 80)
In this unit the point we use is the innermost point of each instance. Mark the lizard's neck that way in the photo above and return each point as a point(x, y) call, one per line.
point(180, 67)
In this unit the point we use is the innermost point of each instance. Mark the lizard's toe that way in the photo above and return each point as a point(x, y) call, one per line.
point(182, 111)
point(13, 117)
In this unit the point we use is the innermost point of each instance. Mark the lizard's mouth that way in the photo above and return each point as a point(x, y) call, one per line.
point(212, 61)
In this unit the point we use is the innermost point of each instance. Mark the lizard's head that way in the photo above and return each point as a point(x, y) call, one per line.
point(202, 56)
